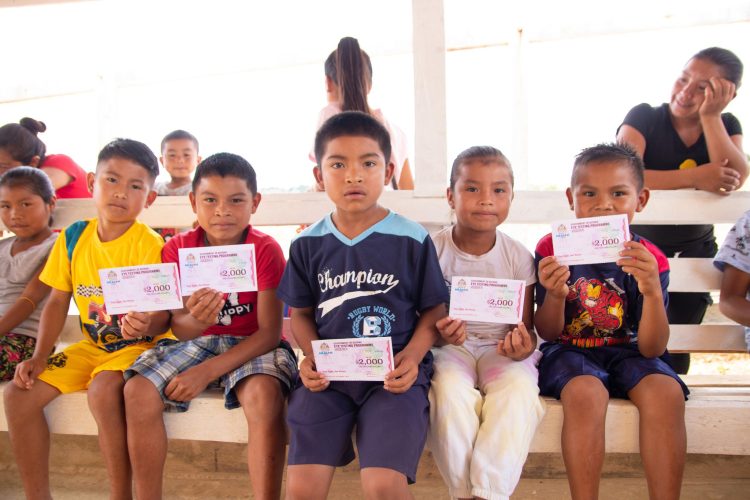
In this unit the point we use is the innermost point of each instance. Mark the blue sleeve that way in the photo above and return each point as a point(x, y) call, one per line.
point(432, 290)
point(294, 288)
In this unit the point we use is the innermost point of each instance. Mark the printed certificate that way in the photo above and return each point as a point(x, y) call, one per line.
point(590, 241)
point(153, 287)
point(228, 268)
point(352, 359)
point(488, 300)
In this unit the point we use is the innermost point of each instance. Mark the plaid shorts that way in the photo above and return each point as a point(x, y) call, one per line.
point(170, 358)
point(14, 348)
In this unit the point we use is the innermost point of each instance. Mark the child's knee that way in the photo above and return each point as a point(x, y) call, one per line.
point(259, 394)
point(141, 395)
point(380, 482)
point(105, 388)
point(586, 394)
point(660, 396)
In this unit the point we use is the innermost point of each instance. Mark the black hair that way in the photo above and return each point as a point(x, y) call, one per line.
point(226, 165)
point(730, 64)
point(179, 134)
point(21, 142)
point(606, 153)
point(350, 68)
point(132, 150)
point(484, 154)
point(33, 179)
point(348, 124)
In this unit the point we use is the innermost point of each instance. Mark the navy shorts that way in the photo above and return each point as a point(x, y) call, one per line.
point(391, 429)
point(620, 367)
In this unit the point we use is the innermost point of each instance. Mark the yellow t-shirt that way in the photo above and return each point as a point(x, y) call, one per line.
point(79, 274)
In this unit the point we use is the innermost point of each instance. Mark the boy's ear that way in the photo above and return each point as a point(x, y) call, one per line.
point(318, 174)
point(150, 198)
point(569, 194)
point(90, 178)
point(643, 198)
point(389, 169)
point(191, 197)
point(161, 160)
point(256, 202)
point(34, 161)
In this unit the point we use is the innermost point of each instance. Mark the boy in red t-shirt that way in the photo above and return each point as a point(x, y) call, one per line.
point(234, 338)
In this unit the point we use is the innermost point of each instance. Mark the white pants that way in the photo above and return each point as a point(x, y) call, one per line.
point(480, 443)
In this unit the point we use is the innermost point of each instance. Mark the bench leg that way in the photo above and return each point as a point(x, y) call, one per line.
point(29, 435)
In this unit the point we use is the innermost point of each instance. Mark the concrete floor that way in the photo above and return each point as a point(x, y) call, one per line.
point(207, 470)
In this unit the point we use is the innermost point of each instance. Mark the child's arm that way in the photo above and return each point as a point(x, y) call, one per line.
point(188, 384)
point(25, 304)
point(50, 325)
point(550, 316)
point(407, 361)
point(733, 301)
point(519, 343)
point(721, 147)
point(305, 331)
point(653, 328)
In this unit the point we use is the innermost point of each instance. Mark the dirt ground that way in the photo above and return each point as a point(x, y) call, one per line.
point(207, 470)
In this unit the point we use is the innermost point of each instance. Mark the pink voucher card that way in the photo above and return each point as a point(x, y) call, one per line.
point(592, 240)
point(352, 359)
point(488, 300)
point(153, 287)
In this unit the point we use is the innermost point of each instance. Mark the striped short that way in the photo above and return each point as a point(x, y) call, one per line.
point(170, 358)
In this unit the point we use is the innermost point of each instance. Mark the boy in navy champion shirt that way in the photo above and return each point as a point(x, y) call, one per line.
point(361, 271)
point(606, 330)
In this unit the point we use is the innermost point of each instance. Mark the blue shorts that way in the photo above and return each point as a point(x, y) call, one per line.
point(170, 358)
point(620, 367)
point(391, 428)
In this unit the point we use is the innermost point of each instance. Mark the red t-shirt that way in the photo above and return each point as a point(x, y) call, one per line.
point(77, 188)
point(239, 317)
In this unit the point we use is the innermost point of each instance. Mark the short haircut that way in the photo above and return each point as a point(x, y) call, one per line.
point(177, 135)
point(33, 179)
point(135, 151)
point(730, 64)
point(483, 154)
point(226, 165)
point(610, 153)
point(352, 124)
point(20, 140)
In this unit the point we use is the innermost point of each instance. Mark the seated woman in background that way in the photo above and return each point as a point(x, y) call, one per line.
point(19, 146)
point(690, 142)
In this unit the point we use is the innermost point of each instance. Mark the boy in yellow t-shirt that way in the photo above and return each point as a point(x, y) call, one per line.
point(121, 187)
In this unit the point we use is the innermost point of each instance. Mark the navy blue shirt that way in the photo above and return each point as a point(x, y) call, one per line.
point(372, 286)
point(604, 305)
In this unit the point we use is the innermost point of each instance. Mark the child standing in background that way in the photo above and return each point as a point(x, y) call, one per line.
point(607, 331)
point(27, 200)
point(20, 146)
point(179, 156)
point(122, 188)
point(484, 399)
point(733, 260)
point(348, 72)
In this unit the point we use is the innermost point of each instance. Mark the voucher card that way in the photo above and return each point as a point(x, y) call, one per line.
point(590, 241)
point(354, 359)
point(153, 287)
point(228, 268)
point(488, 300)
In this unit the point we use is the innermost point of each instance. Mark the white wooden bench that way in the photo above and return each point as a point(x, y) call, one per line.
point(716, 414)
